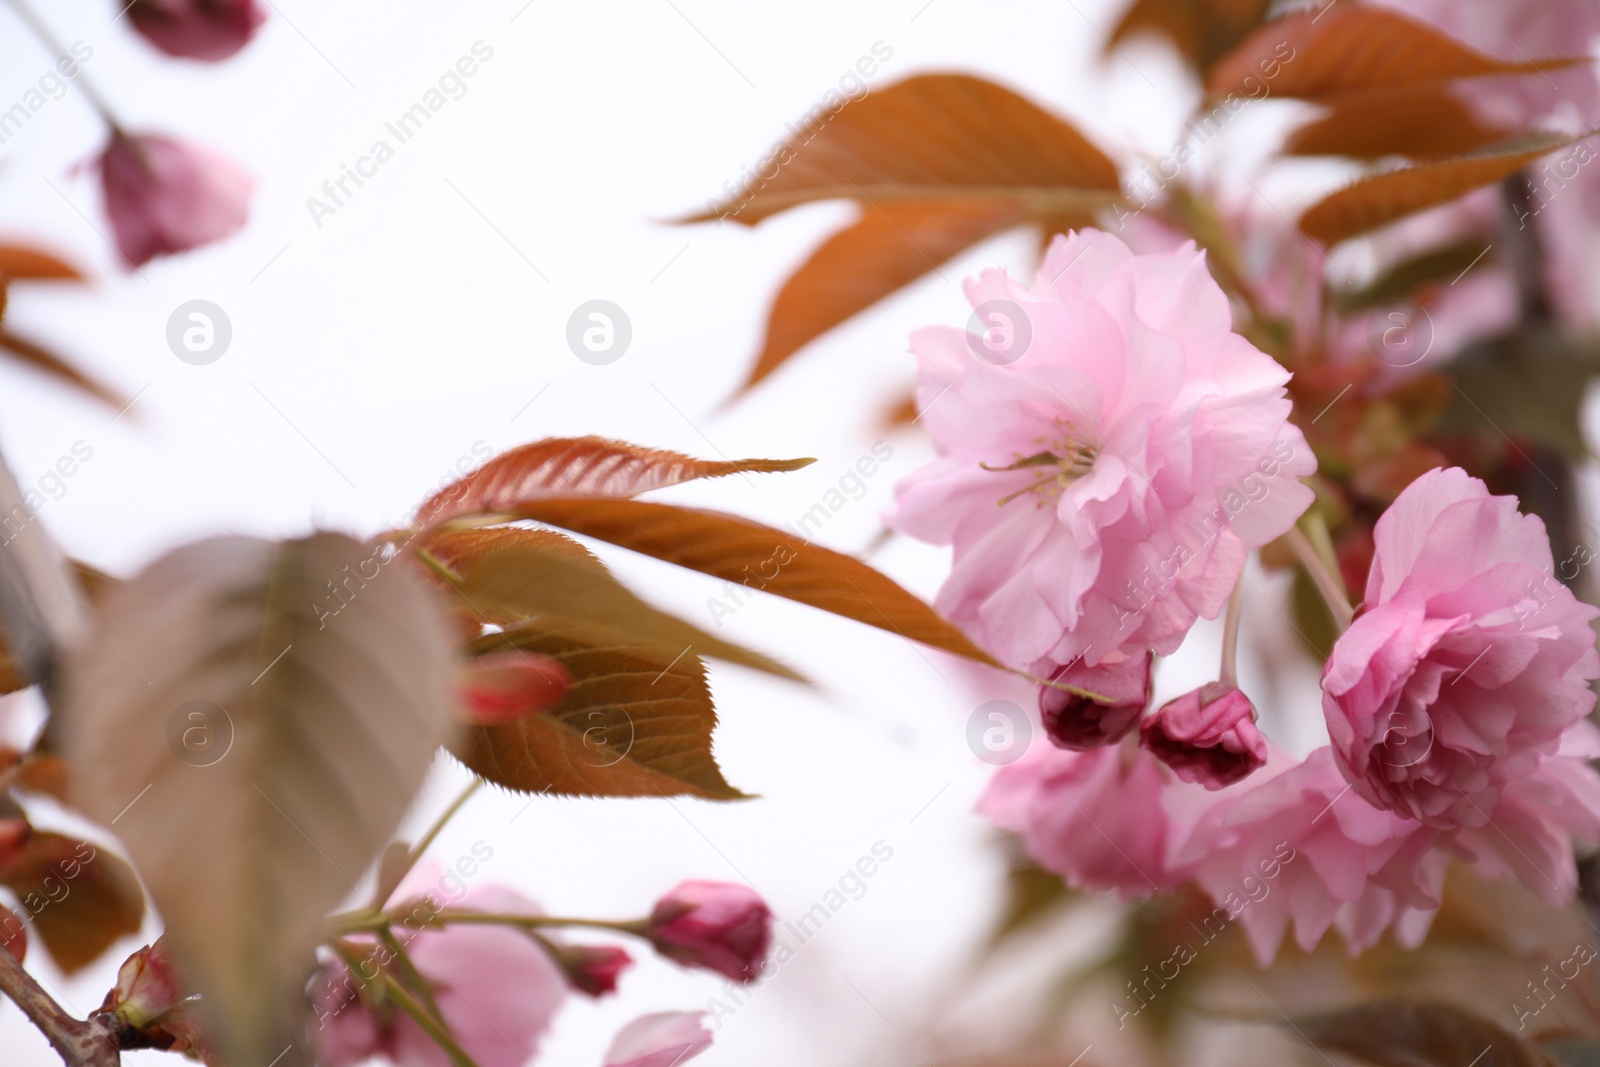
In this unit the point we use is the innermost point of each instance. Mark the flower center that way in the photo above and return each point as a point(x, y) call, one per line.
point(1064, 459)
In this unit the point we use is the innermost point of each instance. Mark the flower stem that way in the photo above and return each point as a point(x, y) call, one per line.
point(1228, 669)
point(80, 1043)
point(431, 1026)
point(366, 922)
point(46, 37)
point(1328, 583)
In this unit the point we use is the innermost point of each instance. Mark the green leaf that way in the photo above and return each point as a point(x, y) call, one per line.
point(1528, 386)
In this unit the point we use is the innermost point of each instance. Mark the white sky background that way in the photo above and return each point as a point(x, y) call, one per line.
point(369, 356)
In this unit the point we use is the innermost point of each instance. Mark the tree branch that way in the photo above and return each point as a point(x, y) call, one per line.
point(81, 1043)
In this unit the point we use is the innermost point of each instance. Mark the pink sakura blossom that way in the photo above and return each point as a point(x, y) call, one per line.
point(496, 988)
point(1207, 736)
point(1298, 847)
point(209, 30)
point(1104, 473)
point(165, 196)
point(594, 969)
point(1468, 661)
point(1074, 721)
point(1096, 818)
point(714, 925)
point(664, 1039)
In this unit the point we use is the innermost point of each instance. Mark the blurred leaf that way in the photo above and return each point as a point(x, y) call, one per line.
point(1573, 1052)
point(526, 579)
point(1396, 1033)
point(1401, 281)
point(1313, 622)
point(58, 367)
point(1031, 893)
point(80, 898)
point(890, 246)
point(316, 732)
point(1424, 122)
point(579, 466)
point(933, 137)
point(628, 727)
point(1350, 47)
point(1529, 386)
point(18, 262)
point(727, 546)
point(1382, 198)
point(1202, 31)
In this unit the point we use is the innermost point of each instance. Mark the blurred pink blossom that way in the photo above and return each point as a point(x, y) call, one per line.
point(165, 196)
point(1103, 473)
point(664, 1039)
point(715, 925)
point(210, 30)
point(1094, 817)
point(1468, 660)
point(496, 988)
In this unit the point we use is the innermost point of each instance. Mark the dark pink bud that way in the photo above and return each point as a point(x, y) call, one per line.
point(503, 686)
point(197, 29)
point(1208, 736)
point(1080, 722)
point(720, 927)
point(164, 196)
point(594, 969)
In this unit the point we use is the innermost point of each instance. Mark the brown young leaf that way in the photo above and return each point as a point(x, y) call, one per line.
point(1382, 198)
point(524, 578)
point(761, 557)
point(255, 750)
point(20, 262)
point(1202, 31)
point(1344, 47)
point(1424, 122)
point(43, 360)
point(937, 162)
point(934, 137)
point(78, 897)
point(578, 466)
point(628, 726)
point(1398, 1033)
point(890, 246)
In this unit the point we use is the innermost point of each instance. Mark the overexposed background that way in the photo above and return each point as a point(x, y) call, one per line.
point(373, 353)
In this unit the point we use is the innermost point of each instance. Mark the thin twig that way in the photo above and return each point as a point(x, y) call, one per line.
point(81, 1043)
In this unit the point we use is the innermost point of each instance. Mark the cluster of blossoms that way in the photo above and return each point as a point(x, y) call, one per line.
point(1102, 489)
point(479, 966)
